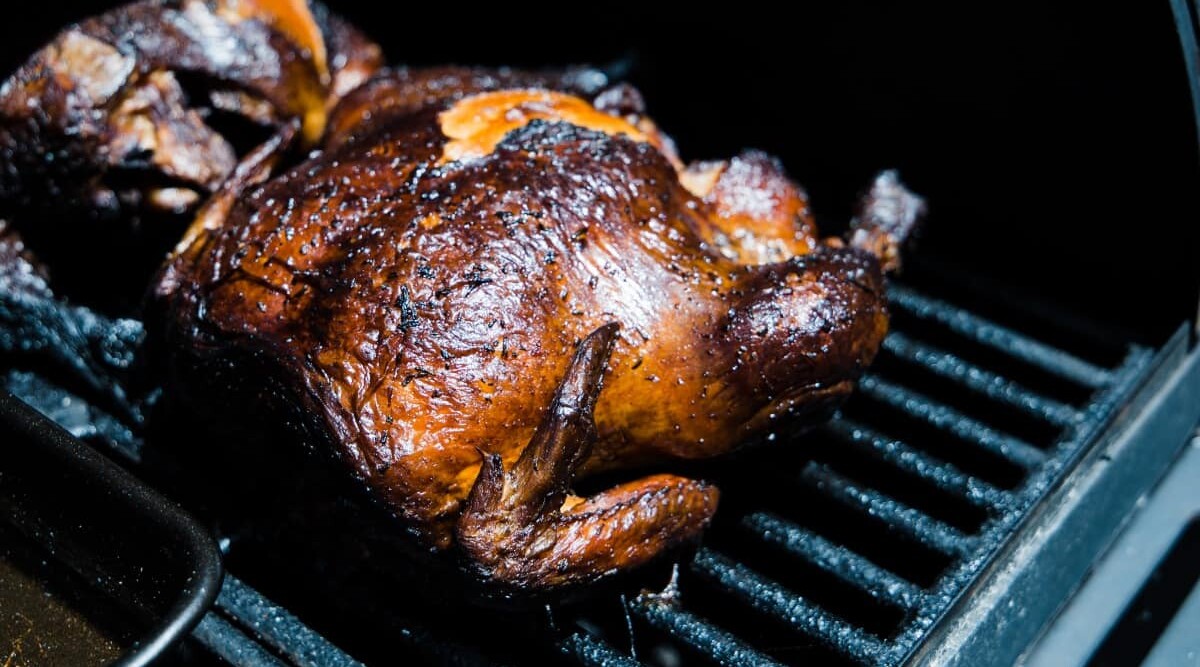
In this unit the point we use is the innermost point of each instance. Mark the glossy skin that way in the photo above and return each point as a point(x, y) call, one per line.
point(424, 311)
point(483, 285)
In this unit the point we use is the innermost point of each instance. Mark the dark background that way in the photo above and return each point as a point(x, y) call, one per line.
point(1054, 141)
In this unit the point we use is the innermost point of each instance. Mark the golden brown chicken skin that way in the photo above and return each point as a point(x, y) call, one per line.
point(491, 283)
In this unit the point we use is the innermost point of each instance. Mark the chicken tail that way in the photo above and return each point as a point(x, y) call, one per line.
point(886, 217)
point(520, 527)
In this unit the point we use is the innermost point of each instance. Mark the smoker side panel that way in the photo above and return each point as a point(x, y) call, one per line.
point(1054, 551)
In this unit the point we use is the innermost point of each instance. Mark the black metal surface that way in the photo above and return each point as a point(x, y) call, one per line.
point(1059, 542)
point(1115, 613)
point(138, 548)
point(875, 534)
point(887, 516)
point(89, 348)
point(278, 628)
point(232, 645)
point(241, 627)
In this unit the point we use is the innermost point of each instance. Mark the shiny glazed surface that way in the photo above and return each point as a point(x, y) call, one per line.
point(474, 286)
point(425, 302)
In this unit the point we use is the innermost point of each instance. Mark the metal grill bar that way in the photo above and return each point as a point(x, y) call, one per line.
point(987, 383)
point(591, 652)
point(773, 599)
point(278, 628)
point(948, 419)
point(903, 457)
point(1003, 339)
point(896, 515)
point(235, 648)
point(715, 643)
point(840, 562)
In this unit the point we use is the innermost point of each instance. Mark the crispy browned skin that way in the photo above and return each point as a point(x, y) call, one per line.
point(122, 103)
point(442, 290)
point(485, 285)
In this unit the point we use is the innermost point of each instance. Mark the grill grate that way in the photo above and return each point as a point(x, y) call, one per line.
point(844, 547)
point(999, 500)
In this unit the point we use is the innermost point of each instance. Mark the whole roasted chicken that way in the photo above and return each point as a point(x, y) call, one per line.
point(482, 286)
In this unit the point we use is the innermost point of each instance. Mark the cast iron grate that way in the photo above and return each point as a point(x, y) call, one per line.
point(844, 547)
point(939, 453)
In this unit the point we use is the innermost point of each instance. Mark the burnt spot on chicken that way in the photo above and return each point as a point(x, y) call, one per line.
point(408, 314)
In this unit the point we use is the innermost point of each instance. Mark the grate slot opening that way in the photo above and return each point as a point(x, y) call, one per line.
point(879, 616)
point(380, 603)
point(606, 620)
point(916, 493)
point(888, 512)
point(903, 425)
point(921, 466)
point(768, 632)
point(980, 381)
point(808, 507)
point(1000, 416)
point(636, 641)
point(1056, 361)
point(657, 647)
point(996, 359)
point(699, 635)
point(945, 418)
point(1009, 305)
point(583, 649)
